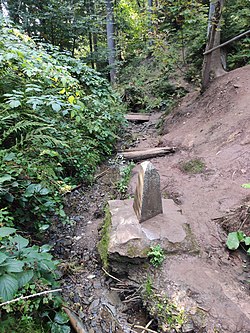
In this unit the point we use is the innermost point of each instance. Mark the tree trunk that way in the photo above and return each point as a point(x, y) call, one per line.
point(150, 23)
point(212, 64)
point(91, 50)
point(111, 40)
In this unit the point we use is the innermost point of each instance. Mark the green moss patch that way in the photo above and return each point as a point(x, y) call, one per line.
point(105, 237)
point(193, 166)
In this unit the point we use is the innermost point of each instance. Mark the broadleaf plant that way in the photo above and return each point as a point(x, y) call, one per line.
point(234, 239)
point(21, 264)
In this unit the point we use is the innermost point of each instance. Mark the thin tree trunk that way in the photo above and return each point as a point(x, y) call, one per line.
point(91, 50)
point(150, 23)
point(212, 64)
point(95, 44)
point(111, 40)
point(73, 47)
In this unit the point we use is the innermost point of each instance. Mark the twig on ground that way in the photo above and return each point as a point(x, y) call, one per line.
point(132, 299)
point(203, 309)
point(243, 222)
point(30, 296)
point(148, 324)
point(144, 328)
point(113, 277)
point(101, 174)
point(137, 290)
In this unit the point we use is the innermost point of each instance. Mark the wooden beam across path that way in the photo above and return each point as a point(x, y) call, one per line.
point(144, 154)
point(139, 117)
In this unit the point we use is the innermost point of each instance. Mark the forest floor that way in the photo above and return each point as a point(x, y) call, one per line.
point(212, 131)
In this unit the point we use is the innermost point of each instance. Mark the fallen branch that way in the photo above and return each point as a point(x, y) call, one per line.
point(75, 321)
point(145, 154)
point(228, 42)
point(138, 117)
point(30, 296)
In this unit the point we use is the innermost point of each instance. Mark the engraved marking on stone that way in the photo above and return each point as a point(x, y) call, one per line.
point(147, 201)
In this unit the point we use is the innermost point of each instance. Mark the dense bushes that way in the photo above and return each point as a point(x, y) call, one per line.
point(59, 119)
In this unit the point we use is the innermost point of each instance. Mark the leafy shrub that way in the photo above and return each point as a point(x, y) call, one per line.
point(20, 264)
point(27, 270)
point(59, 120)
point(156, 255)
point(234, 239)
point(125, 174)
point(147, 88)
point(236, 20)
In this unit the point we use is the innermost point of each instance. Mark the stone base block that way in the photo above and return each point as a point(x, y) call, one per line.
point(130, 239)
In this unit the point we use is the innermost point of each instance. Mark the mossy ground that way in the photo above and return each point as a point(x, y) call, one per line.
point(167, 313)
point(104, 242)
point(193, 166)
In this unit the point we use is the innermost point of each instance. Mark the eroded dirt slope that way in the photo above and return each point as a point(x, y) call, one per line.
point(215, 129)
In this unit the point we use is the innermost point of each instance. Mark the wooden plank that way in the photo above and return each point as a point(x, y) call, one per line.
point(145, 154)
point(139, 117)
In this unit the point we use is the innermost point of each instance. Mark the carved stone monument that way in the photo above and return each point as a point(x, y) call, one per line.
point(147, 201)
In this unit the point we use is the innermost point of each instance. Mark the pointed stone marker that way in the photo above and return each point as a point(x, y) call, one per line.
point(147, 201)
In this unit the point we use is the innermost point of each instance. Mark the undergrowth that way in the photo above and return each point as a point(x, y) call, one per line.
point(59, 120)
point(123, 182)
point(169, 315)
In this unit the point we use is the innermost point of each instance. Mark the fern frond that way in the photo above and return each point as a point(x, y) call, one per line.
point(20, 128)
point(43, 138)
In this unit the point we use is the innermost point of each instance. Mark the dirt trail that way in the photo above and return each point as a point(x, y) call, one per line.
point(215, 129)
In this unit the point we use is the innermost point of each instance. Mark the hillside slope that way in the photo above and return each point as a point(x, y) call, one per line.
point(212, 129)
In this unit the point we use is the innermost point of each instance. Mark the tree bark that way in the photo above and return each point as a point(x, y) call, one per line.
point(111, 40)
point(150, 23)
point(137, 155)
point(212, 64)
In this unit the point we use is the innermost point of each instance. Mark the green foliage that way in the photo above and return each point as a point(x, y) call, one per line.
point(125, 174)
point(132, 23)
point(104, 242)
point(156, 255)
point(27, 270)
point(148, 287)
point(236, 20)
point(181, 36)
point(166, 312)
point(59, 119)
point(193, 166)
point(24, 325)
point(234, 239)
point(22, 265)
point(247, 185)
point(5, 218)
point(147, 88)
